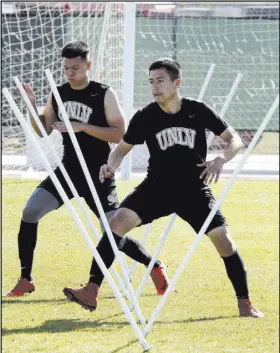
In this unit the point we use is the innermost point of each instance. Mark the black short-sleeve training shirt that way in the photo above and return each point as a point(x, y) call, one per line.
point(176, 142)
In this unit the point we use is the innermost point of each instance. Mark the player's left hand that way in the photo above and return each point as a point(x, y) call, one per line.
point(212, 170)
point(61, 127)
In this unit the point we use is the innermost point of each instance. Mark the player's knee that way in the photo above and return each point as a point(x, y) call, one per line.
point(109, 215)
point(222, 240)
point(39, 204)
point(123, 221)
point(31, 214)
point(118, 222)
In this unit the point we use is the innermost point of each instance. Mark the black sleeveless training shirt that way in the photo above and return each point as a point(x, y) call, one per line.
point(86, 106)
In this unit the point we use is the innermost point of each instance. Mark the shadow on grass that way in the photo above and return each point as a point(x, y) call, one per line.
point(24, 300)
point(54, 326)
point(119, 349)
point(190, 320)
point(32, 301)
point(142, 296)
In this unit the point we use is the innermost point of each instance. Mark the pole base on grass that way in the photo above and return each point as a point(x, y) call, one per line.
point(148, 349)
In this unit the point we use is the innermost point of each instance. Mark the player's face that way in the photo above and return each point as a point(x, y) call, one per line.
point(76, 70)
point(162, 87)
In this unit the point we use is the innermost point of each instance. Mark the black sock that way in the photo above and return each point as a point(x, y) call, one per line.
point(27, 238)
point(237, 274)
point(105, 251)
point(135, 250)
point(129, 246)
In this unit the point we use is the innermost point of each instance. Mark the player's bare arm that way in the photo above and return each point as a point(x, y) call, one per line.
point(114, 117)
point(48, 116)
point(233, 144)
point(114, 160)
point(214, 168)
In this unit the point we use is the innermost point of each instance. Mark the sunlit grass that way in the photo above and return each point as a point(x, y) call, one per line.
point(200, 318)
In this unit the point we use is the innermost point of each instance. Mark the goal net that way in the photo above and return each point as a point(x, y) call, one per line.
point(33, 35)
point(237, 37)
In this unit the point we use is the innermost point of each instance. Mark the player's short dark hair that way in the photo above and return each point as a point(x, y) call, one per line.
point(75, 49)
point(172, 67)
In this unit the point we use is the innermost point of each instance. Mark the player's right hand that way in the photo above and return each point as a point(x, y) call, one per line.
point(29, 92)
point(105, 172)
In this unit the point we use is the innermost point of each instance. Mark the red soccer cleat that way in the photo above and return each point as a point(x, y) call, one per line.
point(22, 287)
point(246, 309)
point(86, 296)
point(160, 279)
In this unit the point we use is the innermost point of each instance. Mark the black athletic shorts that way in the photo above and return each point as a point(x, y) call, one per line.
point(193, 203)
point(107, 191)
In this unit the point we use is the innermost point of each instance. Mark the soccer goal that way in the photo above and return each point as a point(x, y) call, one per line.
point(237, 37)
point(32, 40)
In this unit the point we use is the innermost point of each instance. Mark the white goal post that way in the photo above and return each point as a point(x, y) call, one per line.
point(238, 37)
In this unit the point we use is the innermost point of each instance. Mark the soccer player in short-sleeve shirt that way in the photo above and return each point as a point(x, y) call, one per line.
point(178, 175)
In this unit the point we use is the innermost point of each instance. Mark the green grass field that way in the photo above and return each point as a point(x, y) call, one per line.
point(200, 318)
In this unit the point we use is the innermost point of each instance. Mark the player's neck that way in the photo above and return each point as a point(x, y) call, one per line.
point(81, 85)
point(173, 105)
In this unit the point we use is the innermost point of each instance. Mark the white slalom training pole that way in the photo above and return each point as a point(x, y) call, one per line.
point(95, 195)
point(172, 218)
point(211, 215)
point(77, 220)
point(226, 104)
point(65, 174)
point(162, 241)
point(206, 82)
point(143, 241)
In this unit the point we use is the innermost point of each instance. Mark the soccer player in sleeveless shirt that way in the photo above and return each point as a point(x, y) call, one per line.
point(97, 119)
point(177, 180)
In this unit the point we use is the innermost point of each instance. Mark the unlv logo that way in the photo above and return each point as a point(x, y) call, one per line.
point(77, 111)
point(176, 136)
